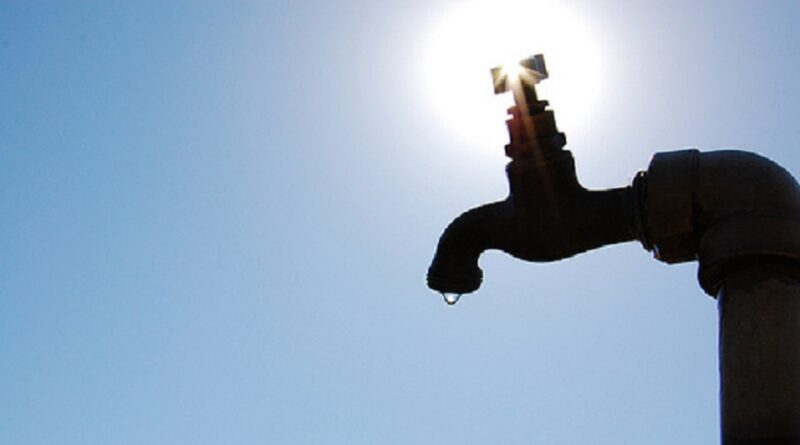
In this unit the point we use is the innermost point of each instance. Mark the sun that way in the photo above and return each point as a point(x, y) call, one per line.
point(478, 35)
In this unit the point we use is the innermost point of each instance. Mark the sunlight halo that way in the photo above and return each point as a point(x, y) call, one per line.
point(471, 38)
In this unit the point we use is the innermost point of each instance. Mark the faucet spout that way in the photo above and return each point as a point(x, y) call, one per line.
point(455, 266)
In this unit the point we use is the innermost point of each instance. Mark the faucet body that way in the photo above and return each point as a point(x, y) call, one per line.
point(735, 213)
point(547, 215)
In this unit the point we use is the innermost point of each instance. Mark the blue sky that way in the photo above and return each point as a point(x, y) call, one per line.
point(216, 218)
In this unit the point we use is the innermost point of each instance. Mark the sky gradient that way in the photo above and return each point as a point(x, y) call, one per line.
point(216, 218)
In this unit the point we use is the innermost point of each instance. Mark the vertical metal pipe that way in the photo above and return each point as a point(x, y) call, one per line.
point(759, 314)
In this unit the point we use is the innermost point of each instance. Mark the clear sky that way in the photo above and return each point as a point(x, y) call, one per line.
point(216, 218)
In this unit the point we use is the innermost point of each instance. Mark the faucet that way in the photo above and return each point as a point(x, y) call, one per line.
point(736, 213)
point(547, 215)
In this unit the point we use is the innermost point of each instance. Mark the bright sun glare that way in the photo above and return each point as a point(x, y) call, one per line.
point(512, 69)
point(479, 35)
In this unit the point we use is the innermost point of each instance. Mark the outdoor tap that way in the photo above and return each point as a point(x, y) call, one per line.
point(736, 213)
point(547, 215)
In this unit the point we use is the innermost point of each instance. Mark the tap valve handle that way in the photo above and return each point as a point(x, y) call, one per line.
point(521, 78)
point(528, 71)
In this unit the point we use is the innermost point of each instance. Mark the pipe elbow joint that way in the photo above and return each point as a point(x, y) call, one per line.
point(724, 209)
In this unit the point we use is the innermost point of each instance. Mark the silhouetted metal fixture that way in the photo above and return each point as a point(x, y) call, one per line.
point(735, 212)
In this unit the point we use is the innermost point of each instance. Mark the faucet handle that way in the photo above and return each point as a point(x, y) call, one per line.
point(531, 71)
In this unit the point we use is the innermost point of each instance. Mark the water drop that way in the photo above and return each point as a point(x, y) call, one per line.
point(451, 299)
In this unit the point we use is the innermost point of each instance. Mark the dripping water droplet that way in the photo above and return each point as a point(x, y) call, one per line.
point(450, 298)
